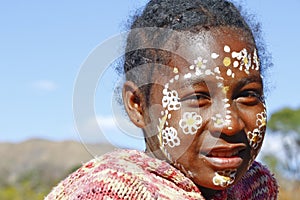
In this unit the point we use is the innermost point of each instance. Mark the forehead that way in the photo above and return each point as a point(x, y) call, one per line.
point(191, 45)
point(226, 52)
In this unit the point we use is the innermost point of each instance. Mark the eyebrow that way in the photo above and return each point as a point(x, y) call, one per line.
point(193, 81)
point(250, 79)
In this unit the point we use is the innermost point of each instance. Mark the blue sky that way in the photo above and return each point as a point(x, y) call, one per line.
point(44, 44)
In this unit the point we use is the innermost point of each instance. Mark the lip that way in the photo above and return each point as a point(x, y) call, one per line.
point(224, 157)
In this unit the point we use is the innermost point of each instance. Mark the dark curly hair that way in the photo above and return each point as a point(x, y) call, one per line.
point(181, 15)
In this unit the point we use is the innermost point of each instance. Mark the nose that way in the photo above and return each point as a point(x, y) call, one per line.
point(228, 123)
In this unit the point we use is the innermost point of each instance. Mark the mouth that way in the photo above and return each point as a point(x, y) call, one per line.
point(224, 157)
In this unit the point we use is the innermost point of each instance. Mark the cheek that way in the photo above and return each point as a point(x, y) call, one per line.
point(178, 130)
point(256, 135)
point(190, 123)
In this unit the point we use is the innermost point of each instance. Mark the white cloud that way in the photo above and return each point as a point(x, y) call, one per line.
point(45, 85)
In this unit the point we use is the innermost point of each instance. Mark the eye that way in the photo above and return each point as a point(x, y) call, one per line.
point(197, 99)
point(250, 97)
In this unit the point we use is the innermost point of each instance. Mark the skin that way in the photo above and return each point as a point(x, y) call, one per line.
point(210, 150)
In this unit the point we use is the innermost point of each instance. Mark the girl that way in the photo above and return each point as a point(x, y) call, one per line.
point(194, 86)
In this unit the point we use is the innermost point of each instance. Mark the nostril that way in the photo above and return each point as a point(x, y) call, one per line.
point(239, 137)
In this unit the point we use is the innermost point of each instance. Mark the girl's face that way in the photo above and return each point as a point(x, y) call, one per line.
point(209, 114)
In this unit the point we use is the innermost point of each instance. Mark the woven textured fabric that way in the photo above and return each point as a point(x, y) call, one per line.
point(130, 174)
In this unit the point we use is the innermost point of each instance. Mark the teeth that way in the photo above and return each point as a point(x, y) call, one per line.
point(223, 154)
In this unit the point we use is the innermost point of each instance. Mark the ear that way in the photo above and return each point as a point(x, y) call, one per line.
point(133, 102)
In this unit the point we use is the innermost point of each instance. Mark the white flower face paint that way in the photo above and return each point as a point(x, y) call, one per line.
point(190, 123)
point(224, 178)
point(261, 121)
point(170, 100)
point(169, 136)
point(255, 137)
point(200, 63)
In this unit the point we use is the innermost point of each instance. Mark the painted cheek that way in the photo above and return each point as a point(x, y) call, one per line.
point(167, 135)
point(190, 123)
point(170, 100)
point(255, 137)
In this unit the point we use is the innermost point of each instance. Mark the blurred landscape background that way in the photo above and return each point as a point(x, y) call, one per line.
point(42, 48)
point(29, 169)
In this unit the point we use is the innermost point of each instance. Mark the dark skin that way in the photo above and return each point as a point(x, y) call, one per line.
point(212, 149)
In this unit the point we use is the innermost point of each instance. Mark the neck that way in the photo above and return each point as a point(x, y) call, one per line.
point(208, 193)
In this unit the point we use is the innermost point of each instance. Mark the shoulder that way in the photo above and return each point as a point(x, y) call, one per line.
point(125, 174)
point(98, 176)
point(257, 183)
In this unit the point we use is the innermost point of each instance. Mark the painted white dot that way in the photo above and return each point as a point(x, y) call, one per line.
point(165, 91)
point(214, 56)
point(234, 54)
point(227, 105)
point(188, 75)
point(218, 115)
point(172, 80)
point(192, 67)
point(208, 72)
point(225, 100)
point(162, 113)
point(217, 70)
point(226, 49)
point(233, 75)
point(219, 78)
point(175, 70)
point(236, 64)
point(176, 77)
point(229, 72)
point(228, 117)
point(169, 116)
point(198, 72)
point(220, 85)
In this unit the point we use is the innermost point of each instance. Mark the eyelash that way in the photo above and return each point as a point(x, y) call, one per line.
point(250, 97)
point(199, 96)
